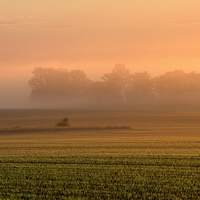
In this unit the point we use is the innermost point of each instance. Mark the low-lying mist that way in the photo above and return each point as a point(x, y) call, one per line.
point(119, 89)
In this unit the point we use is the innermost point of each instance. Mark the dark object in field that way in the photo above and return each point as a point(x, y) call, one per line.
point(61, 128)
point(64, 122)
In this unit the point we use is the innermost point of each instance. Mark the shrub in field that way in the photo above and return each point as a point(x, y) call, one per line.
point(64, 122)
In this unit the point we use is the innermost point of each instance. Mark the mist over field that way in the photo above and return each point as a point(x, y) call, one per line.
point(117, 89)
point(120, 88)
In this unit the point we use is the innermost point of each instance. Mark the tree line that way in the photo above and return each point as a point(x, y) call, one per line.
point(118, 88)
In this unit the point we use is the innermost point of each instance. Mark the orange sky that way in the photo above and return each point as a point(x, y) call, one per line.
point(94, 35)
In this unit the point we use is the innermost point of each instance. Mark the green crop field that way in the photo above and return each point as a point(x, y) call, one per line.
point(159, 158)
point(100, 177)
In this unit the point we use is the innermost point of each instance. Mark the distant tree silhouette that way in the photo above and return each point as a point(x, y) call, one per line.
point(117, 88)
point(140, 88)
point(171, 86)
point(79, 83)
point(43, 81)
point(50, 84)
point(116, 82)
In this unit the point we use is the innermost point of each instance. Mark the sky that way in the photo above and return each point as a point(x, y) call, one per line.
point(94, 35)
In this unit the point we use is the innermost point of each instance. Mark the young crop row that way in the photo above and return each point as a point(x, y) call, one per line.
point(100, 177)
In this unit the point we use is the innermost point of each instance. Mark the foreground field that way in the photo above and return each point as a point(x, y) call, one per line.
point(159, 158)
point(100, 177)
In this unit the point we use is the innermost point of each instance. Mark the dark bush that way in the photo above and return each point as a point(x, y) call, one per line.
point(64, 122)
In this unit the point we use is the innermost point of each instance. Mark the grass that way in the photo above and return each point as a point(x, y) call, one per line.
point(159, 158)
